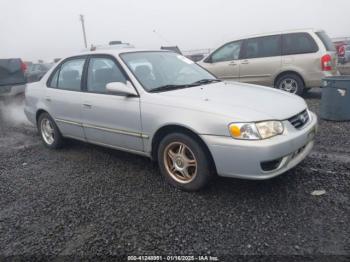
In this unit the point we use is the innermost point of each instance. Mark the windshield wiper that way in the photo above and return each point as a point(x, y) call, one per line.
point(174, 87)
point(170, 87)
point(205, 81)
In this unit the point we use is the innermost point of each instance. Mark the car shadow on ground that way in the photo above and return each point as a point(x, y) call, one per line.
point(226, 187)
point(314, 93)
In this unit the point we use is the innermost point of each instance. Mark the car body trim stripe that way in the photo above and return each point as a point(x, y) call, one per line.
point(112, 130)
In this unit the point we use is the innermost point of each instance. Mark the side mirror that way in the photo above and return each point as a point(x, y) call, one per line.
point(121, 88)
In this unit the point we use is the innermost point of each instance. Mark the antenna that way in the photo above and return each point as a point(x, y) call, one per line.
point(83, 27)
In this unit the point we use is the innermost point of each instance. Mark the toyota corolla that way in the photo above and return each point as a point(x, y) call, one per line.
point(164, 106)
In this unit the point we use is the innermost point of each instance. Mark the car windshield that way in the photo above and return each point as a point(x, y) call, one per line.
point(163, 71)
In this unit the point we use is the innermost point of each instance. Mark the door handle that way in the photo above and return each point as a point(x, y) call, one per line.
point(244, 62)
point(233, 63)
point(87, 105)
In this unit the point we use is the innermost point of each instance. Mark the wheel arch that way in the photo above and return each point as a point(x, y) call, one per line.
point(175, 128)
point(38, 113)
point(283, 73)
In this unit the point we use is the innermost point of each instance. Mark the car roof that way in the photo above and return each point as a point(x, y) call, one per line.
point(307, 30)
point(116, 52)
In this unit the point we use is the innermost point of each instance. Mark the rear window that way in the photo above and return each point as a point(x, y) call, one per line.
point(298, 43)
point(326, 40)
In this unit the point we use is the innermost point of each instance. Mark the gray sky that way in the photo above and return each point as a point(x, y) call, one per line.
point(34, 29)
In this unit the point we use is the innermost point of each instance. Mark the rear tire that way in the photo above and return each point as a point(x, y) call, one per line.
point(184, 163)
point(291, 83)
point(49, 132)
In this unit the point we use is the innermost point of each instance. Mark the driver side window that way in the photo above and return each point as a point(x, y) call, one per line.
point(101, 71)
point(228, 52)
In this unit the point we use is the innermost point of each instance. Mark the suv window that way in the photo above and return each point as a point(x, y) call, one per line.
point(328, 44)
point(228, 52)
point(262, 47)
point(69, 75)
point(298, 43)
point(102, 71)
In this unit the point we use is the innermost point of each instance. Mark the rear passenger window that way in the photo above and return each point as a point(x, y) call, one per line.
point(101, 72)
point(298, 43)
point(263, 47)
point(68, 75)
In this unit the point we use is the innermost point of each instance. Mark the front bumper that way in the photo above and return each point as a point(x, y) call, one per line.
point(243, 159)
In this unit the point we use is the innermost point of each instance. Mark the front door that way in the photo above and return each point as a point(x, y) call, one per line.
point(224, 63)
point(110, 119)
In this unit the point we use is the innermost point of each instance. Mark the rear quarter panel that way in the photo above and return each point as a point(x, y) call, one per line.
point(308, 66)
point(34, 94)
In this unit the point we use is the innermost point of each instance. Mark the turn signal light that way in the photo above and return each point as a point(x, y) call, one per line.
point(235, 131)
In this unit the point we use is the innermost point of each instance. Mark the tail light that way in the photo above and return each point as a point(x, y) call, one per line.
point(326, 63)
point(23, 67)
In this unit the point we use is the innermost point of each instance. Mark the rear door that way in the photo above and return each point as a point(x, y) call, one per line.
point(261, 60)
point(63, 97)
point(224, 62)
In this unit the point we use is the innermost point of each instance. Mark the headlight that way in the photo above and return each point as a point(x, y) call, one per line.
point(269, 128)
point(246, 131)
point(256, 131)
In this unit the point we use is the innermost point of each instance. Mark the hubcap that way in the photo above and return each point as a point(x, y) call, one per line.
point(47, 131)
point(180, 162)
point(289, 85)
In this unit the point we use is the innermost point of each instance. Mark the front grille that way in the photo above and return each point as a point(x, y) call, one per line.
point(299, 120)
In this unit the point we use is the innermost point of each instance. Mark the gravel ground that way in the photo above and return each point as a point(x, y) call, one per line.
point(86, 200)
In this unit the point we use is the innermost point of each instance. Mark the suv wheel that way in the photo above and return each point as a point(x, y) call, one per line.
point(49, 132)
point(291, 83)
point(184, 162)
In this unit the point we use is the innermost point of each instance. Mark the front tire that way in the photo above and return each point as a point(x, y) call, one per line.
point(49, 132)
point(291, 83)
point(183, 162)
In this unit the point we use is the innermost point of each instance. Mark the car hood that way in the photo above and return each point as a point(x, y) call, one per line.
point(239, 101)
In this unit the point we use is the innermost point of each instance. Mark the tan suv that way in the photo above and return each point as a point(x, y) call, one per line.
point(293, 61)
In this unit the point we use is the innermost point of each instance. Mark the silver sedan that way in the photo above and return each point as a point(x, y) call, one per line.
point(164, 106)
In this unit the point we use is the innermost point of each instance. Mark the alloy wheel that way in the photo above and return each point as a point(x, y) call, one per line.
point(180, 162)
point(289, 85)
point(47, 131)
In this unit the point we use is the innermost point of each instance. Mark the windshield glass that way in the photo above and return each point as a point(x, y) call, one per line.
point(163, 69)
